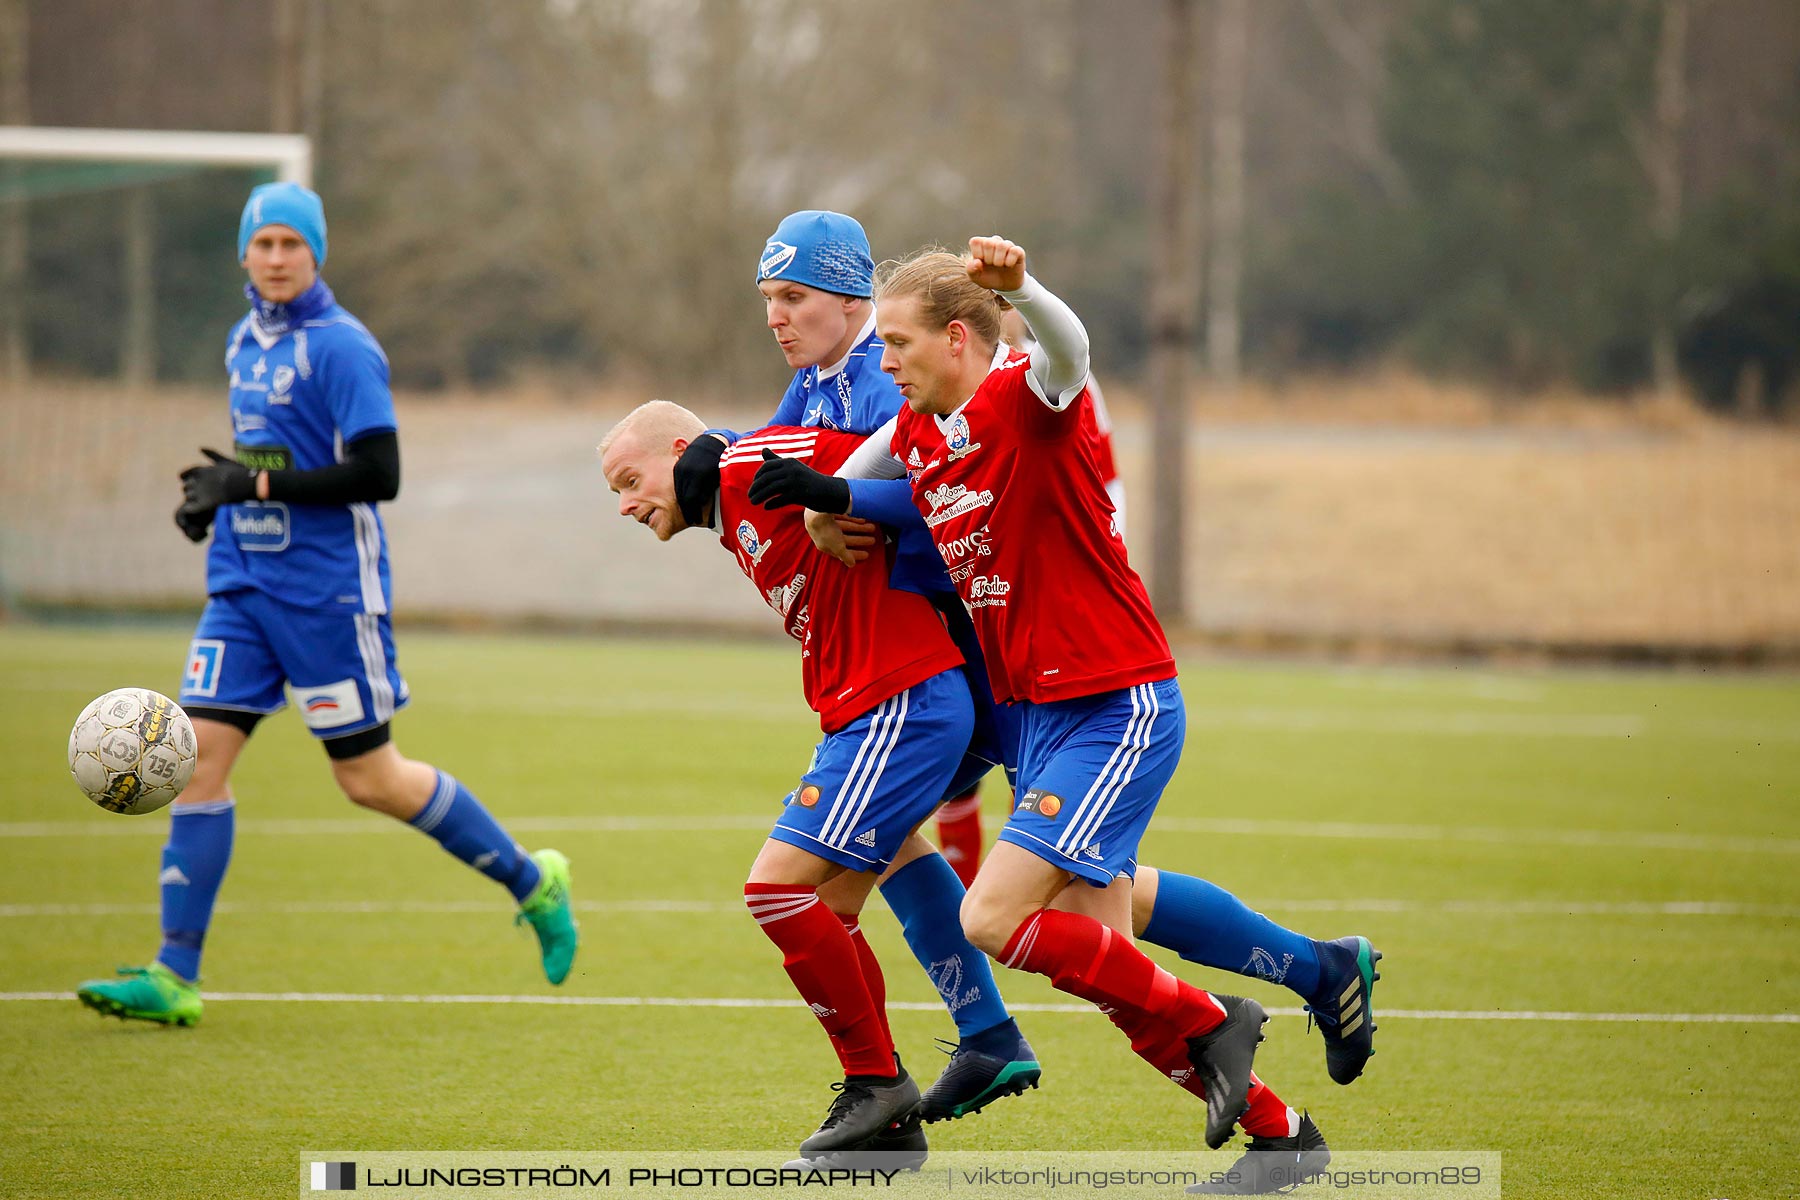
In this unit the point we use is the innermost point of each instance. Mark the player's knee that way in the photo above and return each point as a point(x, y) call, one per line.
point(365, 783)
point(988, 922)
point(369, 791)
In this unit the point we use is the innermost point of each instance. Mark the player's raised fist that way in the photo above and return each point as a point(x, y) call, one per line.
point(995, 263)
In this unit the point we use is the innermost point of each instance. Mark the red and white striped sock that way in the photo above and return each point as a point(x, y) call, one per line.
point(827, 971)
point(1085, 958)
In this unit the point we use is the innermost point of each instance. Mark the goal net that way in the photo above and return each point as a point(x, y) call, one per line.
point(117, 285)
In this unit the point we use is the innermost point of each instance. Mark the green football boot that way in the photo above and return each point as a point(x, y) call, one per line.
point(152, 993)
point(548, 911)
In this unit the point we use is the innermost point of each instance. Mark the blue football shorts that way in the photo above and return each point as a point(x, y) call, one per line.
point(1091, 771)
point(339, 666)
point(873, 782)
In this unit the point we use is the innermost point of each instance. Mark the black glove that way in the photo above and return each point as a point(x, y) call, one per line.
point(697, 477)
point(782, 481)
point(193, 523)
point(221, 481)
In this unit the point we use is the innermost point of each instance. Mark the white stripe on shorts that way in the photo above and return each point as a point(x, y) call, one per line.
point(1091, 813)
point(368, 641)
point(865, 772)
point(368, 557)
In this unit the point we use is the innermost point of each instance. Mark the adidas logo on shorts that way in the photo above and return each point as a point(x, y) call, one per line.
point(867, 839)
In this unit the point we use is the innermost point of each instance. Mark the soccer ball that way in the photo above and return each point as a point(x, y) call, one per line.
point(132, 751)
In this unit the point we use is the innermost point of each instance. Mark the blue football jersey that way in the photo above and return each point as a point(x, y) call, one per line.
point(855, 397)
point(307, 379)
point(859, 397)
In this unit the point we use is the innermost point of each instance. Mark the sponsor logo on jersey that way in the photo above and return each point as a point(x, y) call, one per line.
point(781, 599)
point(809, 796)
point(975, 543)
point(754, 547)
point(279, 383)
point(330, 706)
point(260, 525)
point(843, 391)
point(987, 591)
point(1045, 804)
point(776, 257)
point(957, 438)
point(952, 500)
point(246, 422)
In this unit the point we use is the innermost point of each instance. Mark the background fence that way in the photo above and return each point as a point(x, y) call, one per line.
point(1621, 534)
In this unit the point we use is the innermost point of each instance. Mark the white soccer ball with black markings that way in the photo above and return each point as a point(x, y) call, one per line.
point(132, 751)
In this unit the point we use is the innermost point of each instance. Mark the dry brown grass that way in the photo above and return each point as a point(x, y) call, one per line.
point(1385, 509)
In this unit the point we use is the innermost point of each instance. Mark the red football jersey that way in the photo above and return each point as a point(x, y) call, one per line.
point(1013, 496)
point(861, 641)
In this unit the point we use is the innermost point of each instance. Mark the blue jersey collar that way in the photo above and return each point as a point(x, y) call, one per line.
point(274, 319)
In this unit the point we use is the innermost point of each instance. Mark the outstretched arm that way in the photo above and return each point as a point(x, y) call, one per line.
point(1059, 361)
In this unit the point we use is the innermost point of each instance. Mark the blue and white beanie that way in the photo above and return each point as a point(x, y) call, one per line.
point(299, 208)
point(820, 249)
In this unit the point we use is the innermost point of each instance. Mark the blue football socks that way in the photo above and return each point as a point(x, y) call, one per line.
point(463, 827)
point(193, 866)
point(1208, 925)
point(926, 897)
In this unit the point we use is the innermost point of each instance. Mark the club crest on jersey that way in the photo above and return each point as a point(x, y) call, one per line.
point(775, 259)
point(952, 500)
point(279, 383)
point(957, 438)
point(754, 548)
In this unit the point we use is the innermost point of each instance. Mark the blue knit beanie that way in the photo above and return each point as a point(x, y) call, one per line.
point(300, 209)
point(825, 250)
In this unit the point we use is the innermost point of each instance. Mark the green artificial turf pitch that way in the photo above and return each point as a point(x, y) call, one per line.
point(1531, 842)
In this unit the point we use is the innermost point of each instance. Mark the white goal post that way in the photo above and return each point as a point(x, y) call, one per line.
point(290, 154)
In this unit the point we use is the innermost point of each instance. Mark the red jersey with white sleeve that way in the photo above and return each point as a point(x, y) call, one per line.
point(1012, 493)
point(861, 641)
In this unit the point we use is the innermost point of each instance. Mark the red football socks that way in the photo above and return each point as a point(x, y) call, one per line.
point(826, 969)
point(1084, 958)
point(871, 969)
point(959, 835)
point(1268, 1115)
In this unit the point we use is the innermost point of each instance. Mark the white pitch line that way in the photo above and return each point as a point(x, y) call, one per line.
point(1487, 835)
point(1412, 1014)
point(1485, 908)
point(332, 826)
point(102, 826)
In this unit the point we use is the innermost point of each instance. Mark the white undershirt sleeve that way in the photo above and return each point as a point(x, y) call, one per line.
point(874, 459)
point(1059, 361)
